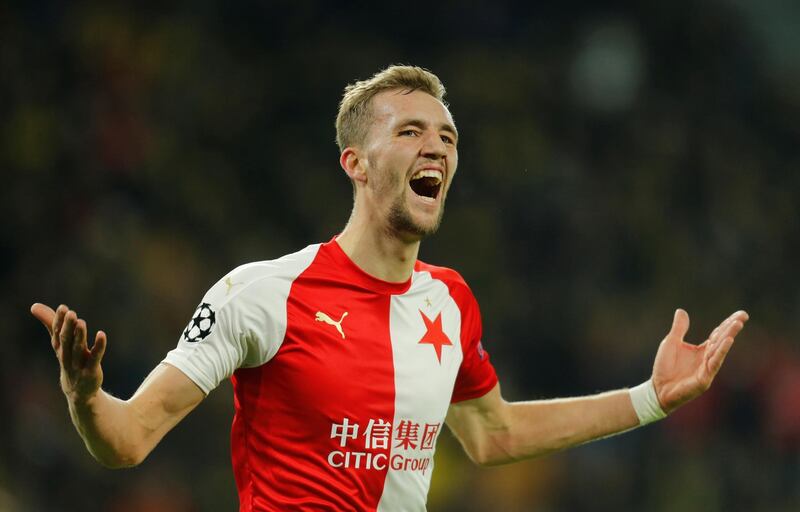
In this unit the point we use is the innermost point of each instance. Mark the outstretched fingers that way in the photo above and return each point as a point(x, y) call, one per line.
point(721, 341)
point(717, 334)
point(69, 337)
point(81, 355)
point(729, 327)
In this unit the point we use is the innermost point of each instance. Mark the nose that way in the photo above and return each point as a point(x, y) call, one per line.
point(434, 147)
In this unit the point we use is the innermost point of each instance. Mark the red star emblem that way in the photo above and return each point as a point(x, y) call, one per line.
point(435, 335)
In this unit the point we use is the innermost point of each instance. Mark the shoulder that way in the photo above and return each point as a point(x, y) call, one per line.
point(458, 286)
point(256, 270)
point(256, 277)
point(442, 273)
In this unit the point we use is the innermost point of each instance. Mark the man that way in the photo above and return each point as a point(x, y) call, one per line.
point(346, 357)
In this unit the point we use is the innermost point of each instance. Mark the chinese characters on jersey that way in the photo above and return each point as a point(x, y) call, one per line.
point(412, 443)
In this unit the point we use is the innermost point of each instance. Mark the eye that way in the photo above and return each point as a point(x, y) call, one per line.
point(410, 132)
point(447, 139)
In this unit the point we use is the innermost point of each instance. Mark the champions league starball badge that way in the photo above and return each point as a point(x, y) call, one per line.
point(200, 325)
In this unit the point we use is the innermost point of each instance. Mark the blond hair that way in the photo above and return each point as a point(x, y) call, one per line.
point(355, 114)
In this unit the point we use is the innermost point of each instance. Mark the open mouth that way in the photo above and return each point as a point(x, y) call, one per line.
point(426, 183)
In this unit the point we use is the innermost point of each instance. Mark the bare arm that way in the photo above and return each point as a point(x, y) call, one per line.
point(494, 431)
point(118, 433)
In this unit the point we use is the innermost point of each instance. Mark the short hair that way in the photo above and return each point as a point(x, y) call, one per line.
point(355, 113)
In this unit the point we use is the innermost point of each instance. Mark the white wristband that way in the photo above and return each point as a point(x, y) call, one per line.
point(645, 403)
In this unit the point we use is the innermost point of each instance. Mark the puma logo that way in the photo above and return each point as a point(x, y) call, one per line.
point(322, 317)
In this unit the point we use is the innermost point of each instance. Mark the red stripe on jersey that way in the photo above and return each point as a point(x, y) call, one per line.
point(299, 438)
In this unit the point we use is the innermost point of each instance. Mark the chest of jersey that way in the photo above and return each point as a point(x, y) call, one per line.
point(358, 391)
point(354, 352)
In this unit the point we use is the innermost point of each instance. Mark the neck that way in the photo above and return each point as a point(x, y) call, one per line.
point(377, 253)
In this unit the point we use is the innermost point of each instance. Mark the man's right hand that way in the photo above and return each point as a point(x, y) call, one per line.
point(81, 373)
point(118, 433)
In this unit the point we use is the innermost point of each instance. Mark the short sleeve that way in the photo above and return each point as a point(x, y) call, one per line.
point(476, 376)
point(237, 324)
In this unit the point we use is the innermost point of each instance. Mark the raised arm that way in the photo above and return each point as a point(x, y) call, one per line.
point(118, 433)
point(493, 431)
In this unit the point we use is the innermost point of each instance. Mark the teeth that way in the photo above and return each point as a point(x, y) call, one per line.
point(428, 173)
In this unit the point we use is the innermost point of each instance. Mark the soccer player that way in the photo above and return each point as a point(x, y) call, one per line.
point(348, 356)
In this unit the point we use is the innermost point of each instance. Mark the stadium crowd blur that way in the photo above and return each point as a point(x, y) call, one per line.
point(616, 162)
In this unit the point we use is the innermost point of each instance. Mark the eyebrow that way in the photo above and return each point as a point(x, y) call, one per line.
point(419, 123)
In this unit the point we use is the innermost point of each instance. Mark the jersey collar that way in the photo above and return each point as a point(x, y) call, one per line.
point(359, 276)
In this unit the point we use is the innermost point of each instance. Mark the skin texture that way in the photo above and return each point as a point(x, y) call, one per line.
point(410, 131)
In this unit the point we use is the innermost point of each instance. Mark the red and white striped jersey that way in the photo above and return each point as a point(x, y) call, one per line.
point(342, 381)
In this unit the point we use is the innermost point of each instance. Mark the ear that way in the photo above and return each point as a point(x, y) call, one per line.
point(351, 162)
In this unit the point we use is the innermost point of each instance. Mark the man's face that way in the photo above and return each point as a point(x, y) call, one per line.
point(411, 158)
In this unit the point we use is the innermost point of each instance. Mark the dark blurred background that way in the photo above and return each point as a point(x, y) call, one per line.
point(618, 160)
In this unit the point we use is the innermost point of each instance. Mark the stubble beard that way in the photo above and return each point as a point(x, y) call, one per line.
point(403, 226)
point(399, 222)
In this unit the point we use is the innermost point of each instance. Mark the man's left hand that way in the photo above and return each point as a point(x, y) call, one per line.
point(683, 371)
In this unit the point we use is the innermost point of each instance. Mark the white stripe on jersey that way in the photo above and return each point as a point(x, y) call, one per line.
point(423, 384)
